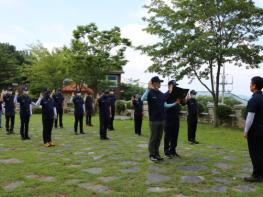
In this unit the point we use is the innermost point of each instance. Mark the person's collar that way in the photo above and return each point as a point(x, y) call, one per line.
point(257, 92)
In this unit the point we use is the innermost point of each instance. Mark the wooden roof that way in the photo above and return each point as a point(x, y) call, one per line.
point(68, 89)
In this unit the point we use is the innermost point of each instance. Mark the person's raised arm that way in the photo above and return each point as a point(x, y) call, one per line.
point(71, 98)
point(39, 100)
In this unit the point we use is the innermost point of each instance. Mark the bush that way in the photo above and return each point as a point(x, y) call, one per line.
point(224, 111)
point(36, 110)
point(244, 113)
point(120, 106)
point(201, 108)
point(129, 105)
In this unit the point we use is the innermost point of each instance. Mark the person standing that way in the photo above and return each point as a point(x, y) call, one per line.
point(138, 113)
point(156, 105)
point(104, 114)
point(112, 100)
point(79, 110)
point(89, 109)
point(1, 108)
point(253, 131)
point(25, 112)
point(172, 121)
point(49, 113)
point(9, 102)
point(59, 104)
point(192, 117)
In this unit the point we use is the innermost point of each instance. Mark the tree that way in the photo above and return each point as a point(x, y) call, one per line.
point(198, 37)
point(95, 53)
point(130, 89)
point(47, 69)
point(11, 62)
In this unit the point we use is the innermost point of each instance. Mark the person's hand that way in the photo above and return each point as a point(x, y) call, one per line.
point(16, 92)
point(41, 95)
point(178, 101)
point(150, 85)
point(245, 135)
point(72, 94)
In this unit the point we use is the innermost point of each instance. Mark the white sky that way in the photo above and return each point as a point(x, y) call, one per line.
point(51, 22)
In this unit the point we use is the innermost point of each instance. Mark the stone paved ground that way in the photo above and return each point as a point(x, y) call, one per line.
point(85, 166)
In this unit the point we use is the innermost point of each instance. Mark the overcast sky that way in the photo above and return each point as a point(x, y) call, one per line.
point(51, 22)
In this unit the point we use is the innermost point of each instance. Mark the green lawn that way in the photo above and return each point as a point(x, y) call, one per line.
point(75, 167)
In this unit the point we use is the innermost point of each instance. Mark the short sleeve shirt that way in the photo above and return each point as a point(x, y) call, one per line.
point(156, 101)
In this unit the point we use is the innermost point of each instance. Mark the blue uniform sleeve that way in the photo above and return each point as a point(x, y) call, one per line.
point(145, 95)
point(166, 105)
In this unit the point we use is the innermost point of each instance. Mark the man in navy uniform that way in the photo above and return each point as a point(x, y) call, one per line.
point(112, 100)
point(25, 112)
point(138, 113)
point(1, 107)
point(172, 121)
point(156, 104)
point(253, 131)
point(104, 114)
point(79, 110)
point(59, 104)
point(89, 109)
point(9, 101)
point(49, 112)
point(192, 117)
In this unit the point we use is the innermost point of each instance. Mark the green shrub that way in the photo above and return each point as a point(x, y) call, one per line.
point(201, 108)
point(37, 110)
point(224, 111)
point(129, 105)
point(244, 113)
point(120, 106)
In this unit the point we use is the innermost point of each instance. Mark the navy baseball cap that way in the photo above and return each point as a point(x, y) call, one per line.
point(172, 82)
point(156, 79)
point(193, 92)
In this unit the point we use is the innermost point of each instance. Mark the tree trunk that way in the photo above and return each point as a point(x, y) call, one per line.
point(216, 118)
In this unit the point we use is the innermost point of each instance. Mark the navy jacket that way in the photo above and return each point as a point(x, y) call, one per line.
point(47, 104)
point(192, 107)
point(9, 104)
point(78, 105)
point(58, 100)
point(25, 103)
point(255, 105)
point(104, 105)
point(172, 113)
point(156, 101)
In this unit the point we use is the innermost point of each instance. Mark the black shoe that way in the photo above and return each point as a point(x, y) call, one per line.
point(104, 138)
point(23, 138)
point(191, 142)
point(169, 156)
point(159, 158)
point(176, 155)
point(27, 138)
point(61, 127)
point(253, 179)
point(82, 133)
point(153, 159)
point(76, 133)
point(196, 142)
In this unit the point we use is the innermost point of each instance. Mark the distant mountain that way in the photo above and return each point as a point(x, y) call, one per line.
point(242, 98)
